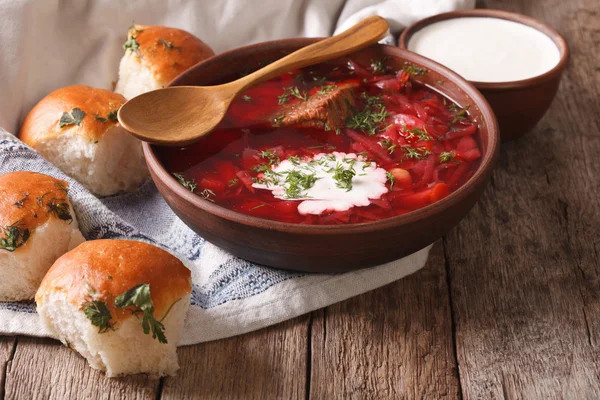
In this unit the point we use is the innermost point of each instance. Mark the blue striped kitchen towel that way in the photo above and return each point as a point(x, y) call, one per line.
point(230, 296)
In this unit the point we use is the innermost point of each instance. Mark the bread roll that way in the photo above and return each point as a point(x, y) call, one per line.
point(76, 129)
point(84, 300)
point(155, 55)
point(37, 226)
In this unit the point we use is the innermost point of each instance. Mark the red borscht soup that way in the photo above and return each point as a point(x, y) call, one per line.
point(335, 143)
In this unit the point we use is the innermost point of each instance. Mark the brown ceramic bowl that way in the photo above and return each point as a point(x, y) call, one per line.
point(518, 105)
point(327, 248)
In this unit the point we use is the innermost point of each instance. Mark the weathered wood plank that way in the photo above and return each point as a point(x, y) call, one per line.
point(392, 343)
point(266, 364)
point(525, 270)
point(7, 347)
point(45, 369)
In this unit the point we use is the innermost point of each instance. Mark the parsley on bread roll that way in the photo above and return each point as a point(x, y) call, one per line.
point(155, 55)
point(119, 303)
point(76, 129)
point(37, 225)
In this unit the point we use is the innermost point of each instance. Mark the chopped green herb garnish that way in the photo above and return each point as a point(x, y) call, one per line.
point(390, 177)
point(60, 209)
point(62, 187)
point(297, 182)
point(247, 98)
point(139, 297)
point(190, 185)
point(113, 115)
point(15, 236)
point(271, 156)
point(99, 315)
point(131, 44)
point(419, 153)
point(326, 89)
point(343, 177)
point(291, 91)
point(277, 121)
point(388, 145)
point(413, 69)
point(370, 118)
point(421, 133)
point(73, 118)
point(447, 156)
point(99, 118)
point(206, 195)
point(20, 203)
point(233, 182)
point(461, 115)
point(379, 66)
point(168, 45)
point(295, 160)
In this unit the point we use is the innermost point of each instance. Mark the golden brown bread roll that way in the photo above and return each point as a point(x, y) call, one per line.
point(37, 226)
point(121, 304)
point(155, 55)
point(76, 129)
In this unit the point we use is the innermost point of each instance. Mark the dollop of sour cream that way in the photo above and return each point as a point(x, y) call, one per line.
point(487, 49)
point(322, 184)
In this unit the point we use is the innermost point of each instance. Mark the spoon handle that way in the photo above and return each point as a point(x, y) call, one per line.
point(368, 31)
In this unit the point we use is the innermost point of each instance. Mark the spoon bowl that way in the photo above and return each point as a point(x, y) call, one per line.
point(169, 116)
point(178, 116)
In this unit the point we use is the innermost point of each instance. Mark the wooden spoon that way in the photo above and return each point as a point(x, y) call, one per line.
point(180, 115)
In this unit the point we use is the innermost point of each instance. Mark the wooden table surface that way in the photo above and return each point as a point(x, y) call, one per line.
point(508, 305)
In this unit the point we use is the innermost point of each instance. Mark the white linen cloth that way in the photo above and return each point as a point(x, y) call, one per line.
point(47, 44)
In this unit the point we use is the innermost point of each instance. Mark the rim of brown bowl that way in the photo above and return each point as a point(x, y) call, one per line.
point(546, 29)
point(487, 162)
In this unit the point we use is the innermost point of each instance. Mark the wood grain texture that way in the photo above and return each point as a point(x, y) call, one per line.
point(45, 369)
point(392, 343)
point(7, 349)
point(524, 265)
point(267, 364)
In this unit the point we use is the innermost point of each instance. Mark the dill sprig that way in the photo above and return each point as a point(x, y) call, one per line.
point(419, 153)
point(326, 89)
point(291, 91)
point(391, 179)
point(207, 194)
point(460, 115)
point(190, 185)
point(388, 145)
point(271, 156)
point(232, 182)
point(421, 133)
point(413, 69)
point(447, 156)
point(379, 66)
point(344, 176)
point(370, 118)
point(297, 183)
